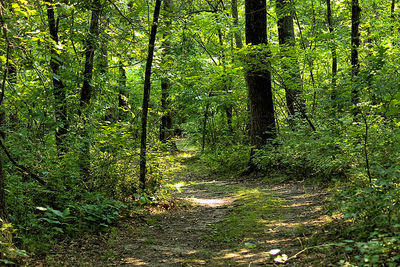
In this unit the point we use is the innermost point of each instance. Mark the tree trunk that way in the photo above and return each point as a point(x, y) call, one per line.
point(146, 94)
point(205, 120)
point(3, 207)
point(333, 50)
point(355, 44)
point(166, 127)
point(291, 76)
point(122, 96)
point(226, 81)
point(235, 15)
point(59, 89)
point(86, 91)
point(258, 76)
point(392, 7)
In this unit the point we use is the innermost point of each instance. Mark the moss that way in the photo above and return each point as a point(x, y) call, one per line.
point(249, 218)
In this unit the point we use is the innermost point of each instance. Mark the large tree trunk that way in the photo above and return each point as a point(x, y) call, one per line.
point(333, 49)
point(291, 73)
point(59, 89)
point(146, 94)
point(86, 91)
point(355, 44)
point(258, 76)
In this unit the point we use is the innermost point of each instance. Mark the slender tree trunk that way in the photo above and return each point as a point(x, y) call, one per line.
point(393, 15)
point(333, 50)
point(3, 206)
point(235, 15)
point(103, 56)
point(146, 94)
point(392, 7)
point(166, 127)
point(86, 91)
point(258, 76)
point(4, 30)
point(225, 81)
point(355, 44)
point(292, 79)
point(205, 120)
point(59, 89)
point(122, 96)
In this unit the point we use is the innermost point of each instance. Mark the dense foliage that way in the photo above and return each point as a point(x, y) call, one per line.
point(71, 164)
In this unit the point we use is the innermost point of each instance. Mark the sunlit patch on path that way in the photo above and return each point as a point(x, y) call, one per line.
point(211, 202)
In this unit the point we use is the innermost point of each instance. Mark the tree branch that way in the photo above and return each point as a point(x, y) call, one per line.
point(21, 168)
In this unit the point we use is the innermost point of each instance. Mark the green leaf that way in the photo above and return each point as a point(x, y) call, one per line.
point(250, 245)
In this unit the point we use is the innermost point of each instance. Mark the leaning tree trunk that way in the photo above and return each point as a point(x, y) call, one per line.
point(86, 91)
point(59, 89)
point(146, 94)
point(258, 75)
point(355, 44)
point(291, 72)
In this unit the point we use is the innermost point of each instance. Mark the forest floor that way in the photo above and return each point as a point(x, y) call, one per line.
point(210, 221)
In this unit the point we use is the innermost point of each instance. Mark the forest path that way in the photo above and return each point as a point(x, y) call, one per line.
point(210, 223)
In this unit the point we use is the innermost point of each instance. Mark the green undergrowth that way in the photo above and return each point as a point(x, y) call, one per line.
point(42, 217)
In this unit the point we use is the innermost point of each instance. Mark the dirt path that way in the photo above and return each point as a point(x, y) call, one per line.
point(227, 224)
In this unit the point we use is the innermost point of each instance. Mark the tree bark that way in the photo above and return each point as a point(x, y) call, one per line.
point(291, 77)
point(258, 76)
point(3, 206)
point(355, 44)
point(122, 96)
point(59, 89)
point(226, 81)
point(166, 127)
point(333, 49)
point(86, 91)
point(392, 7)
point(146, 94)
point(235, 15)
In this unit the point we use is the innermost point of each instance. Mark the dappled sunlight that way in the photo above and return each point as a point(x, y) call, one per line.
point(134, 261)
point(212, 202)
point(242, 256)
point(177, 186)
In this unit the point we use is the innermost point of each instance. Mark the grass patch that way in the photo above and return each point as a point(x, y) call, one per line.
point(250, 217)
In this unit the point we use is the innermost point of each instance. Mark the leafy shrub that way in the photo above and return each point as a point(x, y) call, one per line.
point(304, 154)
point(227, 157)
point(9, 254)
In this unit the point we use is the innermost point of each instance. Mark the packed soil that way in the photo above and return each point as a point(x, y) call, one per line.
point(180, 232)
